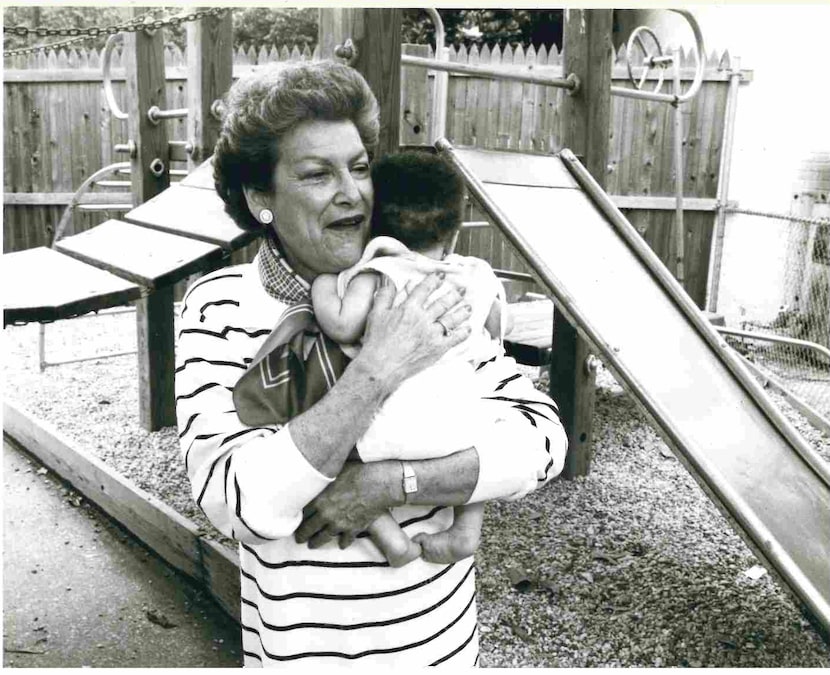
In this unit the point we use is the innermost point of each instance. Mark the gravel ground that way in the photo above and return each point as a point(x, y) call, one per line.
point(629, 566)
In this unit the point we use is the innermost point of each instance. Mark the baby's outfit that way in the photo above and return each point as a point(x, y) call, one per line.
point(435, 412)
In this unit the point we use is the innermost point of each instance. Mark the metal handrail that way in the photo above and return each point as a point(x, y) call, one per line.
point(769, 337)
point(439, 98)
point(108, 93)
point(571, 82)
point(67, 213)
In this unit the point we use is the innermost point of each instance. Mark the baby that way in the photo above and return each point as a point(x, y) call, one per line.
point(415, 224)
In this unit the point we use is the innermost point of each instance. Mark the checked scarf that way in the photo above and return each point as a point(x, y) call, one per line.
point(297, 364)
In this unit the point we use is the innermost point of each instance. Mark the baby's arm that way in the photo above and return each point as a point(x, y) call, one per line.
point(343, 320)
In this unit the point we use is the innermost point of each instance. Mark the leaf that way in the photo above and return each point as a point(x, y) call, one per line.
point(587, 576)
point(159, 619)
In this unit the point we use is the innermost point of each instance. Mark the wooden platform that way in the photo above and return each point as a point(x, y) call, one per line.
point(43, 285)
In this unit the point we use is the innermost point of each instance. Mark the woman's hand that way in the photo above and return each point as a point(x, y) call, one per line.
point(401, 341)
point(349, 504)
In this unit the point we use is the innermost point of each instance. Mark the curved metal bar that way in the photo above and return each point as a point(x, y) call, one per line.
point(768, 337)
point(674, 99)
point(439, 98)
point(111, 102)
point(67, 213)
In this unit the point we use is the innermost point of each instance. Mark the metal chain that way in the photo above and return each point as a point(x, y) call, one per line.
point(780, 216)
point(79, 34)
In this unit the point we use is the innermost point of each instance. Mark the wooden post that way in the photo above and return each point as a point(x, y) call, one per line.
point(588, 53)
point(209, 76)
point(150, 175)
point(376, 34)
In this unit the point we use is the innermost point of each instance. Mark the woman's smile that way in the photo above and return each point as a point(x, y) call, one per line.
point(322, 197)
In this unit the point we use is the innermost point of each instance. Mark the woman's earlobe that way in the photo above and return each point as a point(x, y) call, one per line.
point(257, 205)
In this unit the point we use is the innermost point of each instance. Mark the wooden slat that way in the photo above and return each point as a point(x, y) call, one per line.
point(148, 257)
point(191, 212)
point(40, 284)
point(61, 198)
point(201, 176)
point(172, 536)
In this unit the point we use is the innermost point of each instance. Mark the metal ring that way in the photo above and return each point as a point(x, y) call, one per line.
point(447, 331)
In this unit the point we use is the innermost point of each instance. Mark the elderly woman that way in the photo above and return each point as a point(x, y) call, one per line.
point(293, 160)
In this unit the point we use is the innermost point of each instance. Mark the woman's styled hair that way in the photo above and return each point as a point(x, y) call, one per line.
point(419, 198)
point(262, 107)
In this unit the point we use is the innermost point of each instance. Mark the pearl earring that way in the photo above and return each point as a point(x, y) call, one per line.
point(266, 216)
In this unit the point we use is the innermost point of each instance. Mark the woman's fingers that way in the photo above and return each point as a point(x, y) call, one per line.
point(419, 294)
point(312, 524)
point(346, 539)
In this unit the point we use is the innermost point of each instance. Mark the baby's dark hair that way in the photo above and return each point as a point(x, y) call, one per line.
point(419, 198)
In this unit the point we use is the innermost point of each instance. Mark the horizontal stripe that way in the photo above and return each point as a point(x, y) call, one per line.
point(199, 390)
point(204, 281)
point(223, 334)
point(310, 563)
point(357, 626)
point(507, 380)
point(532, 411)
point(457, 649)
point(363, 654)
point(550, 404)
point(199, 359)
point(417, 519)
point(252, 655)
point(359, 596)
point(215, 303)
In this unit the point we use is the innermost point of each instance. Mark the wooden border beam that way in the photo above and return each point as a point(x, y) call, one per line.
point(172, 536)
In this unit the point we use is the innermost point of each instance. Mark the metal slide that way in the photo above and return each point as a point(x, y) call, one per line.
point(745, 454)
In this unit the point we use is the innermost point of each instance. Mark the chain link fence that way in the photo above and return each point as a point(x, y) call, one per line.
point(794, 347)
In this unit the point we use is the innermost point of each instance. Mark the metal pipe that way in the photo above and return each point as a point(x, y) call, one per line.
point(67, 213)
point(439, 94)
point(716, 253)
point(769, 337)
point(679, 232)
point(155, 114)
point(696, 82)
point(571, 82)
point(85, 358)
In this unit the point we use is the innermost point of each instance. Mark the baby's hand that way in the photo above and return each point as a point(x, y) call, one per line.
point(448, 546)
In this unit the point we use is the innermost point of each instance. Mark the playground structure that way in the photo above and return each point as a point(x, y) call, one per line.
point(160, 244)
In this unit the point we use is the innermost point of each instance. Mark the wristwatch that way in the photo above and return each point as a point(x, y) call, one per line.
point(410, 481)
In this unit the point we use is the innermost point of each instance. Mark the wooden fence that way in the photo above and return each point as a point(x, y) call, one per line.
point(58, 131)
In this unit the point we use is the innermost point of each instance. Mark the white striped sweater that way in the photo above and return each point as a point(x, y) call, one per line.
point(326, 606)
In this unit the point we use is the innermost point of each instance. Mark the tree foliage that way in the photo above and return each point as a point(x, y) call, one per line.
point(486, 26)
